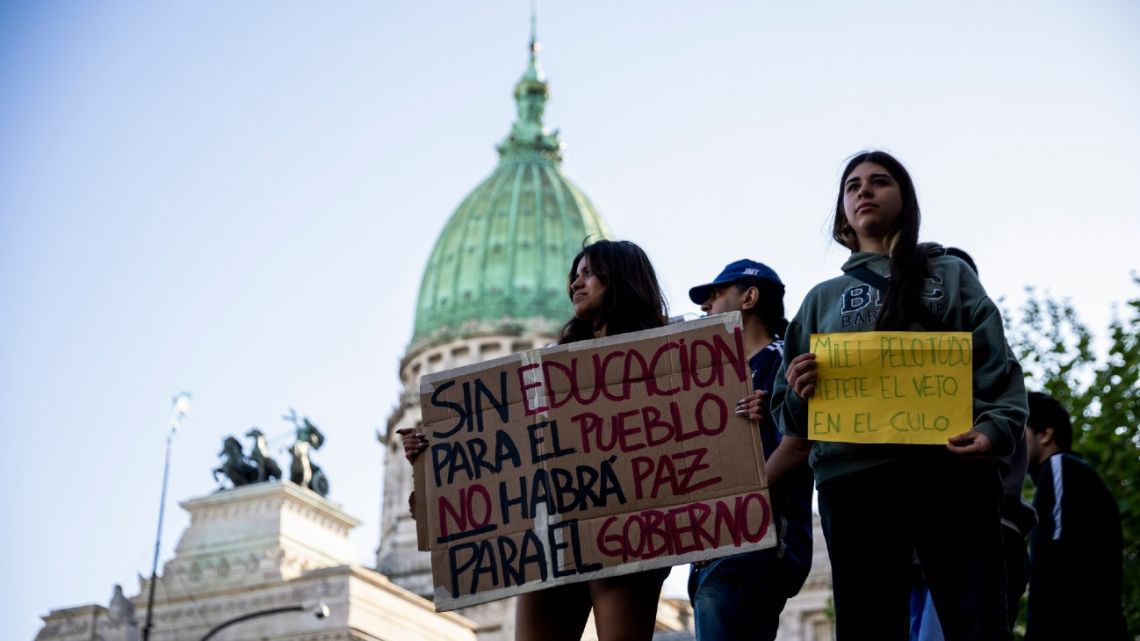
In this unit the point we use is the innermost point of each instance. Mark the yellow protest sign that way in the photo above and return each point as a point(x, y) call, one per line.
point(892, 387)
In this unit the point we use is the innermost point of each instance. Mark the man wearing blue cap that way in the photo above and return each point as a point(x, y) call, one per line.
point(741, 596)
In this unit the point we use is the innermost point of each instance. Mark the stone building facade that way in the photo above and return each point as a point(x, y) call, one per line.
point(263, 561)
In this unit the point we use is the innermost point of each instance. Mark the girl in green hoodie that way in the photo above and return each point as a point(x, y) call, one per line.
point(881, 505)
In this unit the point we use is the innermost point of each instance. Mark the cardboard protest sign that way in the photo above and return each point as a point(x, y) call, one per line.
point(892, 387)
point(588, 460)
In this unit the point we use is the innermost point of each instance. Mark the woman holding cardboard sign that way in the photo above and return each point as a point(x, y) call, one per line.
point(614, 290)
point(882, 503)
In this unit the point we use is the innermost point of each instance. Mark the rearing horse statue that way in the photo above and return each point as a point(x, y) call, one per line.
point(235, 465)
point(267, 467)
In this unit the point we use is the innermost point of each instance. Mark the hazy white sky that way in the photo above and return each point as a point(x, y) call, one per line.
point(237, 199)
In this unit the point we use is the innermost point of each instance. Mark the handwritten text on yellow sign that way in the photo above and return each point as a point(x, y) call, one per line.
point(892, 387)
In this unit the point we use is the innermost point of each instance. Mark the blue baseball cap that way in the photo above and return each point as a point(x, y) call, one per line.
point(742, 269)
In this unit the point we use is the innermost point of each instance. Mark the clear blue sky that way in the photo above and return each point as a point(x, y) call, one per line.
point(237, 198)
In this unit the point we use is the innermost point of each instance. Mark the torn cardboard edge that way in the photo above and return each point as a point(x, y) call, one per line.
point(729, 321)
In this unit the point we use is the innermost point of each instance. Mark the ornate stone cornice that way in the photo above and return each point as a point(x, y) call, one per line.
point(269, 496)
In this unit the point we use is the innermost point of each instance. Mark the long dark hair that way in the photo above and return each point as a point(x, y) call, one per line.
point(632, 300)
point(909, 264)
point(769, 306)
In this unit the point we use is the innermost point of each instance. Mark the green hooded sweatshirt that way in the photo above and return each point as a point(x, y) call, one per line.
point(954, 295)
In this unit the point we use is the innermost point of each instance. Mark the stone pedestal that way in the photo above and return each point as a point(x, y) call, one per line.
point(265, 532)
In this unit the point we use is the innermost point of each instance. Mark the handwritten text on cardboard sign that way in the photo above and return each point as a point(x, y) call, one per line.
point(588, 460)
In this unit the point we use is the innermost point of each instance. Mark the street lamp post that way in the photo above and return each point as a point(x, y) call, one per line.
point(319, 610)
point(181, 407)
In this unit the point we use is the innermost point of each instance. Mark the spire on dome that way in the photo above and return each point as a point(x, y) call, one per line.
point(534, 72)
point(531, 94)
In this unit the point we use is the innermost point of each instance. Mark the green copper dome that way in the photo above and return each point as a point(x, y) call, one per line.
point(504, 255)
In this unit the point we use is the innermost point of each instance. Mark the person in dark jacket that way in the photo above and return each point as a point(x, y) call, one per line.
point(1076, 567)
point(740, 597)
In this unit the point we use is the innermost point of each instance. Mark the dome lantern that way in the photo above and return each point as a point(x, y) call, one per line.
point(531, 93)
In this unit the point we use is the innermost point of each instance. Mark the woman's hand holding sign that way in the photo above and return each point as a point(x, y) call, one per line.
point(972, 445)
point(414, 442)
point(753, 406)
point(802, 375)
